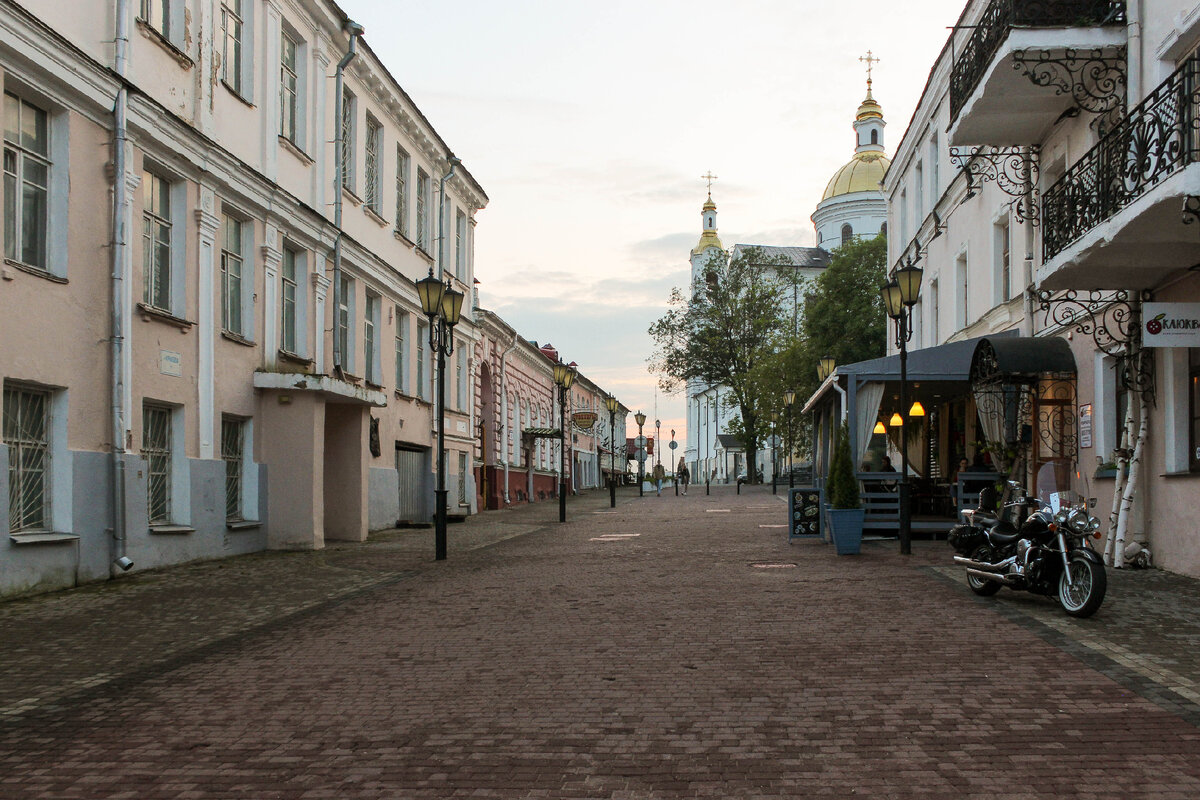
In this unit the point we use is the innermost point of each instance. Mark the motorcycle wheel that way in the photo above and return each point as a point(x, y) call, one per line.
point(978, 585)
point(1085, 597)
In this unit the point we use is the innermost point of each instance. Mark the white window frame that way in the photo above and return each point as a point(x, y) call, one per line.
point(423, 209)
point(403, 162)
point(401, 360)
point(159, 453)
point(239, 297)
point(23, 447)
point(297, 260)
point(292, 87)
point(18, 158)
point(233, 454)
point(460, 375)
point(371, 323)
point(344, 323)
point(1002, 242)
point(176, 267)
point(962, 291)
point(164, 17)
point(373, 188)
point(237, 29)
point(422, 372)
point(934, 313)
point(460, 240)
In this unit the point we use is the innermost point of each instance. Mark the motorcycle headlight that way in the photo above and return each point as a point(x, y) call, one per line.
point(1079, 520)
point(1093, 524)
point(1060, 518)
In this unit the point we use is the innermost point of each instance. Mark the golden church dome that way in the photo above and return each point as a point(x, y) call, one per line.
point(862, 174)
point(707, 239)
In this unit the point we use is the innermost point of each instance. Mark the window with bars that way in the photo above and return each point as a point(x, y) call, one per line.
point(26, 429)
point(349, 103)
point(422, 210)
point(156, 449)
point(462, 479)
point(402, 162)
point(232, 27)
point(231, 275)
point(289, 88)
point(374, 145)
point(26, 181)
point(460, 240)
point(288, 334)
point(371, 337)
point(401, 362)
point(156, 241)
point(233, 436)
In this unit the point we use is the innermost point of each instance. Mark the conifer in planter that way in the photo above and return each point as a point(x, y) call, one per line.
point(846, 512)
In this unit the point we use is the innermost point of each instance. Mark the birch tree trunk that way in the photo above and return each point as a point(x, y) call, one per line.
point(1131, 484)
point(1122, 452)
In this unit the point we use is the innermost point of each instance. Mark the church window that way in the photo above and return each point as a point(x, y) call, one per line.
point(874, 137)
point(847, 233)
point(883, 229)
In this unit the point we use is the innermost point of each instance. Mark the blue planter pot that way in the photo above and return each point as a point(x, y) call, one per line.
point(846, 525)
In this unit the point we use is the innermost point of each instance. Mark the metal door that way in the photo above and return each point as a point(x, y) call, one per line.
point(413, 471)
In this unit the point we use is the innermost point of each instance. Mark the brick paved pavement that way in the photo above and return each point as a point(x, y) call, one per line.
point(635, 653)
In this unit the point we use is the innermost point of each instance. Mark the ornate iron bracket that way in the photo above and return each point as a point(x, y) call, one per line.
point(1113, 320)
point(1191, 209)
point(1014, 169)
point(1095, 81)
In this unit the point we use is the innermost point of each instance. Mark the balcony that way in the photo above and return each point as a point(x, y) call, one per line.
point(1116, 218)
point(1028, 61)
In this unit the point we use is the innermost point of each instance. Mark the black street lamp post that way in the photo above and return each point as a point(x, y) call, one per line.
point(564, 376)
point(899, 296)
point(789, 397)
point(442, 304)
point(774, 452)
point(674, 468)
point(612, 404)
point(641, 420)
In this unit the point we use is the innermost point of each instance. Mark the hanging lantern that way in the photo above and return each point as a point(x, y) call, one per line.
point(879, 427)
point(896, 421)
point(917, 410)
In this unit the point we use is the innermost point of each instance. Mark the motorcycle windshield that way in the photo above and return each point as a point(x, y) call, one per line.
point(1060, 484)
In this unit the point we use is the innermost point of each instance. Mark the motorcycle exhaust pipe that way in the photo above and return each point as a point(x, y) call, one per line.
point(1007, 580)
point(984, 566)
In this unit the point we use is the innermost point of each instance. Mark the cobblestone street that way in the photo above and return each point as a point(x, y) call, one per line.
point(673, 647)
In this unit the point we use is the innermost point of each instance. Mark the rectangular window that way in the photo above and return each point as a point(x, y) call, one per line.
point(348, 107)
point(343, 320)
point(460, 240)
point(401, 190)
point(460, 372)
point(289, 88)
point(156, 449)
point(233, 435)
point(903, 217)
point(232, 25)
point(422, 370)
point(26, 431)
point(1004, 262)
point(933, 169)
point(156, 241)
point(961, 308)
point(374, 145)
point(288, 333)
point(401, 337)
point(934, 320)
point(231, 275)
point(1194, 409)
point(26, 181)
point(462, 479)
point(157, 14)
point(919, 188)
point(371, 338)
point(422, 210)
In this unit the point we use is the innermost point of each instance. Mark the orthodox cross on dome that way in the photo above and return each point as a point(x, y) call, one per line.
point(871, 61)
point(709, 177)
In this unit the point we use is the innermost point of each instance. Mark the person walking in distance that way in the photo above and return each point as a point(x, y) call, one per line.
point(659, 472)
point(683, 475)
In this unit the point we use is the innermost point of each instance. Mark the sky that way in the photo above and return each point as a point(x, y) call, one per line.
point(589, 125)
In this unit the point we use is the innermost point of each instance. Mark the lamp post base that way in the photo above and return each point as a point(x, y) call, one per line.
point(440, 525)
point(562, 502)
point(612, 493)
point(905, 517)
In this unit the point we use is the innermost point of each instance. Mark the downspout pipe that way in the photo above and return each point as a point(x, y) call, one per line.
point(120, 247)
point(339, 148)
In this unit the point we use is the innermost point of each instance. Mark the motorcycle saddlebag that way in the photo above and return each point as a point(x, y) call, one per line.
point(964, 539)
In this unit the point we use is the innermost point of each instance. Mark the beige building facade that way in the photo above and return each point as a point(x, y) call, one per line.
point(197, 360)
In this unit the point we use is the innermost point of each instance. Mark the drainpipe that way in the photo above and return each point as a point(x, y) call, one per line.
point(1133, 50)
point(504, 412)
point(120, 246)
point(355, 30)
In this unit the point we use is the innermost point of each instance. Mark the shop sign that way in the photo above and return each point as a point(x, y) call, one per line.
point(1085, 425)
point(1171, 324)
point(584, 420)
point(170, 363)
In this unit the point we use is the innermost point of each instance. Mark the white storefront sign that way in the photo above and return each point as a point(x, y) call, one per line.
point(170, 363)
point(1085, 425)
point(1171, 324)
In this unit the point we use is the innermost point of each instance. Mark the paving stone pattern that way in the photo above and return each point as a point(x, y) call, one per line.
point(654, 651)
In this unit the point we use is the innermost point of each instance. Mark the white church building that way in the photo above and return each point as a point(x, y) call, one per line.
point(853, 206)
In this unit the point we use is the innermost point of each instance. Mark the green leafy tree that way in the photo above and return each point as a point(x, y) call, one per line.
point(733, 319)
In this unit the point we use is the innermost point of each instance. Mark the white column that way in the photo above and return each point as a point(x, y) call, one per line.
point(272, 254)
point(321, 132)
point(205, 78)
point(132, 181)
point(320, 289)
point(208, 223)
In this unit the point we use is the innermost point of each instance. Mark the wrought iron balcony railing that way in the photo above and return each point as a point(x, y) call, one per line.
point(1002, 16)
point(1157, 138)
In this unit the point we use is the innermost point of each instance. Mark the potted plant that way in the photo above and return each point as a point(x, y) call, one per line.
point(846, 512)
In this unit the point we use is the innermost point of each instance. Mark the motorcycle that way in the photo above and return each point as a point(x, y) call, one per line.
point(1038, 543)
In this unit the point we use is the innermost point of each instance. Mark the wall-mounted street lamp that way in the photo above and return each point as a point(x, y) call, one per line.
point(612, 404)
point(564, 376)
point(442, 304)
point(899, 296)
point(825, 367)
point(641, 420)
